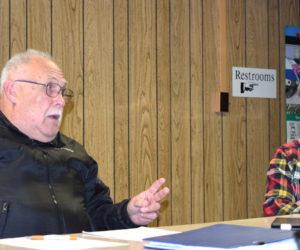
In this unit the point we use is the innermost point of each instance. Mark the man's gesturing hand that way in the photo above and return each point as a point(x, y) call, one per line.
point(144, 208)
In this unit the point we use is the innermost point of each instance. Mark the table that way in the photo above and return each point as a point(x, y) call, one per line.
point(255, 222)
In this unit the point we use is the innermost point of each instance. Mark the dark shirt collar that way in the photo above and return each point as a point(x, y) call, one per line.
point(4, 122)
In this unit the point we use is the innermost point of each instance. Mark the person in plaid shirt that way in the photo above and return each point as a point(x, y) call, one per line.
point(283, 189)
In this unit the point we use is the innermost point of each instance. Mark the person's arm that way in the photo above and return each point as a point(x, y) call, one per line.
point(137, 211)
point(103, 213)
point(280, 195)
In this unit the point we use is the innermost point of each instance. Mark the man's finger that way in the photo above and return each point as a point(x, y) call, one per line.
point(161, 194)
point(137, 202)
point(153, 207)
point(150, 216)
point(156, 185)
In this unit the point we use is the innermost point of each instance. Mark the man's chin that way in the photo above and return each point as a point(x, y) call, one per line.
point(49, 136)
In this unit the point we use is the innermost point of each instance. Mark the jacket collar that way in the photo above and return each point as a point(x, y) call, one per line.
point(4, 122)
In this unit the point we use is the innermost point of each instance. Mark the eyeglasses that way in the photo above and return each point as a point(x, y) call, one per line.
point(53, 89)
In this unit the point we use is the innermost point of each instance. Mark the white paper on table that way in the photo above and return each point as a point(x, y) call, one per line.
point(80, 243)
point(132, 234)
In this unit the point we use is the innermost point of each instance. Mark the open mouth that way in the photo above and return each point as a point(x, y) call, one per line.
point(55, 117)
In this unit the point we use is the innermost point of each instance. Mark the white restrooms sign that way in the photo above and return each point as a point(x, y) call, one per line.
point(253, 82)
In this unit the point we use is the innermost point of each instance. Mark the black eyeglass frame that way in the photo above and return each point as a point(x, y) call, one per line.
point(47, 85)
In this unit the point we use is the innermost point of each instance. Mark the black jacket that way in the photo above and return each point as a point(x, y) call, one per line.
point(52, 188)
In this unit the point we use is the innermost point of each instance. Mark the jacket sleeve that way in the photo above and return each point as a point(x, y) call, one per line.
point(103, 213)
point(280, 197)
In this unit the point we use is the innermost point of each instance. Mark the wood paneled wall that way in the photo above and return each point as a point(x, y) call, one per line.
point(145, 75)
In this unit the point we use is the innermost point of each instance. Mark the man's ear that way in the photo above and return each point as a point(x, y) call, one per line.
point(10, 90)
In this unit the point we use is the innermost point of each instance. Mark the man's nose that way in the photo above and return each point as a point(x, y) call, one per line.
point(60, 100)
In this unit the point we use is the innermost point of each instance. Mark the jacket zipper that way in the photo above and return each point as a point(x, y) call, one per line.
point(4, 207)
point(3, 217)
point(52, 194)
point(60, 215)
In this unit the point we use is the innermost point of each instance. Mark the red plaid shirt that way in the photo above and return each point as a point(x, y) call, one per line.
point(283, 188)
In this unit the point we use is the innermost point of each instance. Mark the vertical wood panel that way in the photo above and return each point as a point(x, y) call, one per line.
point(197, 183)
point(121, 99)
point(163, 102)
point(142, 95)
point(212, 121)
point(234, 127)
point(257, 122)
point(18, 26)
point(4, 32)
point(274, 63)
point(289, 16)
point(67, 51)
point(180, 111)
point(98, 99)
point(39, 25)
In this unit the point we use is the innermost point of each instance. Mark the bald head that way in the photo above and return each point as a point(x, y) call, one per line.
point(17, 60)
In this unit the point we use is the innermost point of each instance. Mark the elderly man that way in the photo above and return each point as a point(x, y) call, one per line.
point(48, 182)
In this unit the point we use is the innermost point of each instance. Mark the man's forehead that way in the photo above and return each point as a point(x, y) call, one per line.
point(44, 69)
point(60, 81)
